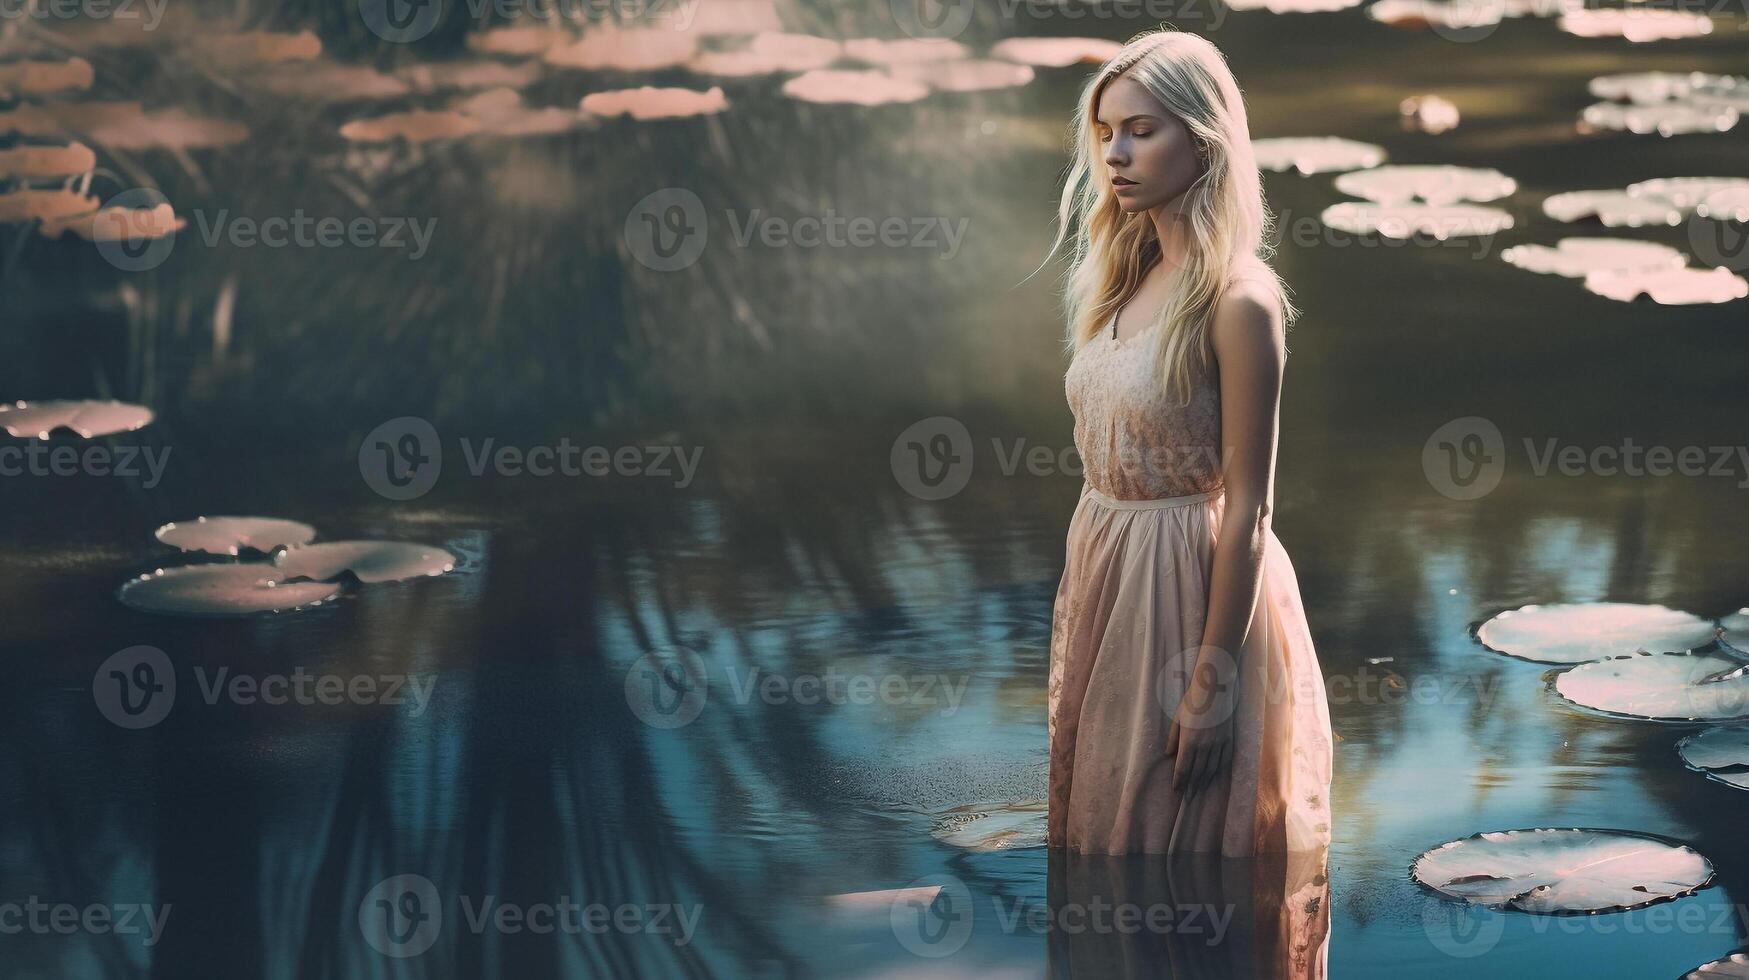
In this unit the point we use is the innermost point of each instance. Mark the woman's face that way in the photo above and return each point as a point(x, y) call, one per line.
point(1150, 156)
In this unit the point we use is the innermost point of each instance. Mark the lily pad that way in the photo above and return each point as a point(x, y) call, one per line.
point(993, 826)
point(221, 590)
point(43, 77)
point(882, 51)
point(1660, 687)
point(1316, 154)
point(89, 419)
point(610, 47)
point(468, 75)
point(1686, 193)
point(414, 126)
point(520, 41)
point(648, 102)
point(1575, 633)
point(1437, 184)
point(119, 224)
point(1575, 257)
point(768, 53)
point(1616, 209)
point(257, 47)
point(1437, 14)
point(47, 161)
point(1721, 753)
point(1665, 118)
point(44, 205)
point(1556, 871)
point(1732, 967)
point(1727, 204)
point(1428, 113)
point(1402, 221)
point(858, 87)
point(1638, 24)
point(1736, 634)
point(501, 112)
point(370, 561)
point(1293, 6)
point(1056, 52)
point(123, 125)
point(965, 75)
point(1662, 201)
point(230, 535)
point(1670, 287)
point(1648, 87)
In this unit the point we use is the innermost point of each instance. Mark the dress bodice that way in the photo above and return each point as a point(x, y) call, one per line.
point(1135, 443)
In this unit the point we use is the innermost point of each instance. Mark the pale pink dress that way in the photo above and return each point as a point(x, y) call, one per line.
point(1126, 625)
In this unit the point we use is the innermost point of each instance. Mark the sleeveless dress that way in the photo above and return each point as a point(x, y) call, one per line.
point(1127, 623)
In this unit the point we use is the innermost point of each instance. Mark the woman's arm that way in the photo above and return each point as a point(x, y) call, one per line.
point(1249, 343)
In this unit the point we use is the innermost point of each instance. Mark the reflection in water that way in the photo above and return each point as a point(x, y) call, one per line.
point(529, 776)
point(1197, 916)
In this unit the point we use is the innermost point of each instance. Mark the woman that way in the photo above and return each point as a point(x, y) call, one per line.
point(1186, 706)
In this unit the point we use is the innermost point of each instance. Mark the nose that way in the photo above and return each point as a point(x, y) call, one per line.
point(1114, 155)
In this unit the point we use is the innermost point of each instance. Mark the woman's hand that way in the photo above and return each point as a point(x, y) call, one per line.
point(1201, 737)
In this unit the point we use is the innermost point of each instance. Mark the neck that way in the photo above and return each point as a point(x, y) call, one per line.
point(1172, 227)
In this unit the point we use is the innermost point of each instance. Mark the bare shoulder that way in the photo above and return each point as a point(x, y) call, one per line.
point(1248, 320)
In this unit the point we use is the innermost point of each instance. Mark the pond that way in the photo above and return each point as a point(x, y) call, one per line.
point(715, 688)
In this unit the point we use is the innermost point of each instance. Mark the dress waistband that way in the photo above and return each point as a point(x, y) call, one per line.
point(1158, 503)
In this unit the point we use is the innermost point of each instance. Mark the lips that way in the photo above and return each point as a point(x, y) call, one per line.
point(1122, 182)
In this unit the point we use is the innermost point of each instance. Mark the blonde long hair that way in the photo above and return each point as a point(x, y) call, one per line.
point(1228, 219)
